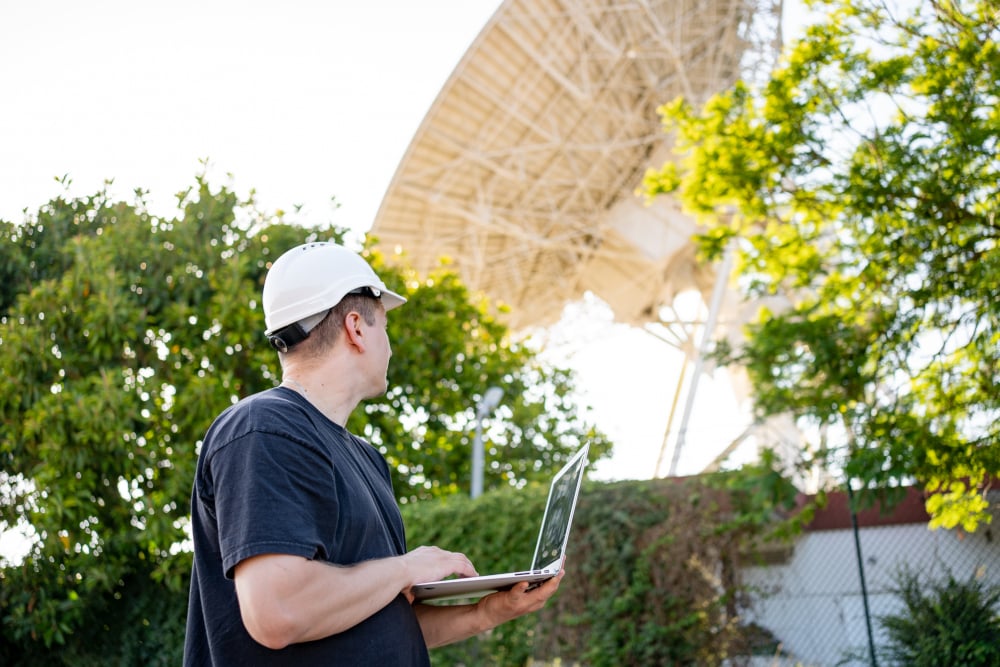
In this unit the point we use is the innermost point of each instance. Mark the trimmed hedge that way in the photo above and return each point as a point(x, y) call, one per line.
point(651, 573)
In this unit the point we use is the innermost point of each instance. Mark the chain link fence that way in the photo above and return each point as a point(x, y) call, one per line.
point(821, 602)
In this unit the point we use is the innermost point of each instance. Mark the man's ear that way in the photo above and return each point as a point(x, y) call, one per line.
point(354, 331)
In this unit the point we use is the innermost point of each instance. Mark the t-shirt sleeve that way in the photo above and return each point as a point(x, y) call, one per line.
point(272, 495)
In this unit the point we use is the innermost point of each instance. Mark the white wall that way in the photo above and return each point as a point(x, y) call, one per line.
point(813, 602)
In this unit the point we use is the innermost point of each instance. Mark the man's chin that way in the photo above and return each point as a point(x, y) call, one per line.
point(379, 392)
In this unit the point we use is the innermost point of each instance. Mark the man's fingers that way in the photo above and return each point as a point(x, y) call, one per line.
point(432, 563)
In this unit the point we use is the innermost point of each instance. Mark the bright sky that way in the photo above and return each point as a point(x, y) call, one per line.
point(303, 101)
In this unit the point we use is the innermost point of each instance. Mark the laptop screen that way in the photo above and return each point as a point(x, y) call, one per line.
point(559, 511)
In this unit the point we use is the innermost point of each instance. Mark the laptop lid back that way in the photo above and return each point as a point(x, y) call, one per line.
point(554, 534)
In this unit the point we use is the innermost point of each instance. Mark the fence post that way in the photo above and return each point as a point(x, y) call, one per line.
point(861, 572)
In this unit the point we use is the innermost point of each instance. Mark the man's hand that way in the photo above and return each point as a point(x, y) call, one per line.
point(519, 600)
point(445, 624)
point(432, 564)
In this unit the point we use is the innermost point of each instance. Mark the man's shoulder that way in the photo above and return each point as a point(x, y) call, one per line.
point(263, 402)
point(271, 411)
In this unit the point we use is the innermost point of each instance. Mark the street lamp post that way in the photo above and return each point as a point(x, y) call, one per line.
point(485, 406)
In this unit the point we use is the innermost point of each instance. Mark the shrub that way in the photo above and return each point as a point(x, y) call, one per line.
point(946, 622)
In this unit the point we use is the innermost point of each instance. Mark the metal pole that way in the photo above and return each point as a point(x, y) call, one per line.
point(477, 459)
point(486, 405)
point(670, 419)
point(719, 291)
point(861, 572)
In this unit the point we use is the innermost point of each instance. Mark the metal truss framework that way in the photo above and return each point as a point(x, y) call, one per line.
point(524, 172)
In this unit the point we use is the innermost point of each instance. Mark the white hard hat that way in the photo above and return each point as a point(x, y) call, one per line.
point(310, 279)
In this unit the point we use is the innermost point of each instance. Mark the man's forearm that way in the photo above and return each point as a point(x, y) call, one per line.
point(286, 599)
point(447, 624)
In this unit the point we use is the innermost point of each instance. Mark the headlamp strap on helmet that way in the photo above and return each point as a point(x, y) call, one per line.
point(287, 337)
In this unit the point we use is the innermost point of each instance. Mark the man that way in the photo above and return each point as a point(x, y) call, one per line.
point(299, 550)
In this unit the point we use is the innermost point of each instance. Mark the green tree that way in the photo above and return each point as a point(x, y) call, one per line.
point(123, 334)
point(861, 182)
point(447, 350)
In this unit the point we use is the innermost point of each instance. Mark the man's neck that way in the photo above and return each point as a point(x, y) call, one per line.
point(335, 401)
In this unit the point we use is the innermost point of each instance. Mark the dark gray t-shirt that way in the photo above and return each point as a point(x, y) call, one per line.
point(276, 476)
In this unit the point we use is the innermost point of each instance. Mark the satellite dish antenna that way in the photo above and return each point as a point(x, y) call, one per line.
point(523, 174)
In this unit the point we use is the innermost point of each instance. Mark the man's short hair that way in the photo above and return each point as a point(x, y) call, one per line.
point(325, 334)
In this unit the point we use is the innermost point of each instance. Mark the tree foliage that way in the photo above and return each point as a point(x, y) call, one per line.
point(862, 182)
point(122, 335)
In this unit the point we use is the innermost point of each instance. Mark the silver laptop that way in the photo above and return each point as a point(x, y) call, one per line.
point(549, 551)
